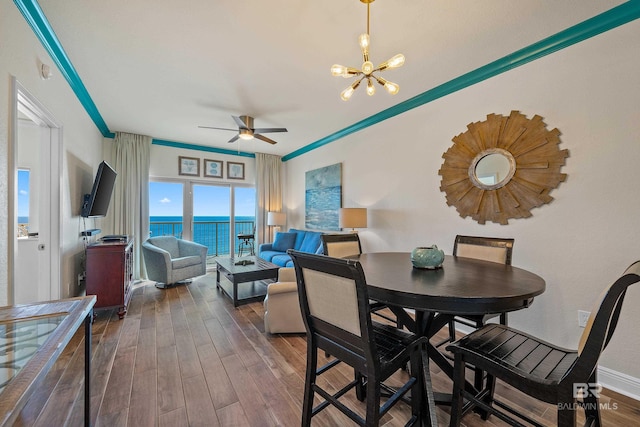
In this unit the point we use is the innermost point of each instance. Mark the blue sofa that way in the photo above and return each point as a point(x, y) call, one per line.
point(299, 240)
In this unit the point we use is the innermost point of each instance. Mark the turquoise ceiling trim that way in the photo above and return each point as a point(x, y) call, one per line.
point(606, 21)
point(34, 16)
point(201, 148)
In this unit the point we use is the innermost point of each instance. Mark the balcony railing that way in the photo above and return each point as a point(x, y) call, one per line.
point(213, 234)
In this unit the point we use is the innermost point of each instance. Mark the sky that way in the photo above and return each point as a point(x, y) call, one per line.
point(23, 192)
point(165, 199)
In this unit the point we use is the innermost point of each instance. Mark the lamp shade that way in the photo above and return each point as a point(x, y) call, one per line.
point(276, 218)
point(353, 217)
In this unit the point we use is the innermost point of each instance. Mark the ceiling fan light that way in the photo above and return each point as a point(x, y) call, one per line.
point(245, 134)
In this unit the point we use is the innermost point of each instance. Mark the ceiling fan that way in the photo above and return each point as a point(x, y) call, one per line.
point(247, 131)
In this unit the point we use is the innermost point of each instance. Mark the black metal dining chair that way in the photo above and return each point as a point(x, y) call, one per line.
point(566, 378)
point(344, 245)
point(335, 308)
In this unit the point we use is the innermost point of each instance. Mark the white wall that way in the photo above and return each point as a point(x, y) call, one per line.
point(20, 54)
point(579, 243)
point(164, 164)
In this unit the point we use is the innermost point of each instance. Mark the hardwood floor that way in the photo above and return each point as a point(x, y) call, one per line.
point(184, 356)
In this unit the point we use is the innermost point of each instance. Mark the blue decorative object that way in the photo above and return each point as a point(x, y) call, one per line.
point(429, 257)
point(284, 241)
point(323, 198)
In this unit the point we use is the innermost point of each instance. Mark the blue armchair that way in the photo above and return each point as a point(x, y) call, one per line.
point(170, 260)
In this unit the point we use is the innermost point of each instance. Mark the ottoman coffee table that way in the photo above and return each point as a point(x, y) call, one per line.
point(252, 273)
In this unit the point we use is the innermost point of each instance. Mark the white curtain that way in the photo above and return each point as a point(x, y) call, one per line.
point(268, 193)
point(129, 212)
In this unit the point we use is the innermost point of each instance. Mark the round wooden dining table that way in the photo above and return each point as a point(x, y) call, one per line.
point(462, 286)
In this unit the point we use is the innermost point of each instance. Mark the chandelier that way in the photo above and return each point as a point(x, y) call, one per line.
point(367, 70)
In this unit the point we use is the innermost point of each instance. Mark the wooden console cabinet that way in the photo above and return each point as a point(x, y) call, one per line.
point(110, 273)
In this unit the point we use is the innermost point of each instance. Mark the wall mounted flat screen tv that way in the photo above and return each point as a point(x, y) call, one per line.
point(96, 204)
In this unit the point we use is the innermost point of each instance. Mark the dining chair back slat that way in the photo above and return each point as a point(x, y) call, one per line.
point(345, 245)
point(341, 245)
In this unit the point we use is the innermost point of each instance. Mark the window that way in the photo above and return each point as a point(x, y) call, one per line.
point(209, 214)
point(24, 191)
point(165, 209)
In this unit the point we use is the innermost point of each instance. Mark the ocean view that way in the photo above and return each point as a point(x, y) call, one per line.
point(211, 231)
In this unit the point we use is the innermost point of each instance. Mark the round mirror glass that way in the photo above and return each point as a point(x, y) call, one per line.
point(492, 169)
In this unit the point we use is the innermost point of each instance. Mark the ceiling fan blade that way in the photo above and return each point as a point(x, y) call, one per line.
point(264, 138)
point(211, 127)
point(234, 138)
point(268, 130)
point(241, 123)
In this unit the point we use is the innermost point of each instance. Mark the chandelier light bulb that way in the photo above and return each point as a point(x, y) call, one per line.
point(338, 70)
point(364, 42)
point(395, 62)
point(346, 94)
point(392, 88)
point(371, 89)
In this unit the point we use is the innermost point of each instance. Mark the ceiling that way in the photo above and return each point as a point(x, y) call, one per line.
point(162, 68)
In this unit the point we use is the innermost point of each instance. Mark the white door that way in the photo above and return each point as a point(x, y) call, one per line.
point(36, 266)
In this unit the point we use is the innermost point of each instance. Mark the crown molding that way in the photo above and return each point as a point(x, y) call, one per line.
point(606, 21)
point(34, 16)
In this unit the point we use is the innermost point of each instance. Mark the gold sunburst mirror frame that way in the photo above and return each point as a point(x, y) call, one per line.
point(502, 168)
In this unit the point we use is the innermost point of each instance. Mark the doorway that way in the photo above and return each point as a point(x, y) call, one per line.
point(34, 229)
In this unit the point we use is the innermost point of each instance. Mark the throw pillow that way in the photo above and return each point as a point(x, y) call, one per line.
point(283, 241)
point(311, 242)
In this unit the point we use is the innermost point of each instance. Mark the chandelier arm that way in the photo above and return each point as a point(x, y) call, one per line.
point(368, 6)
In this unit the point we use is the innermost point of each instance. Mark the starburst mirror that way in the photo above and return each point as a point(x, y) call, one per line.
point(502, 168)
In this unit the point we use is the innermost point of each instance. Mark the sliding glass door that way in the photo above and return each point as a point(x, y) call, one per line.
point(244, 204)
point(211, 218)
point(210, 214)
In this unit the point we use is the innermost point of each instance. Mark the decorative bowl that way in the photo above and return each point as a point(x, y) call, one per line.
point(429, 257)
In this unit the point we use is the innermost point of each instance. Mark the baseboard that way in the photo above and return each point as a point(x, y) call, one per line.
point(619, 382)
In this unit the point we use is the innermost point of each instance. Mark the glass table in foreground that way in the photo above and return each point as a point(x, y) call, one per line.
point(32, 336)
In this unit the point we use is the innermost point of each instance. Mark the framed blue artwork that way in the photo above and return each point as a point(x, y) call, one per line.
point(213, 168)
point(323, 198)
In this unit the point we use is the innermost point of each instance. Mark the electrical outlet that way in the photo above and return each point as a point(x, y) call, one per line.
point(81, 278)
point(583, 317)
